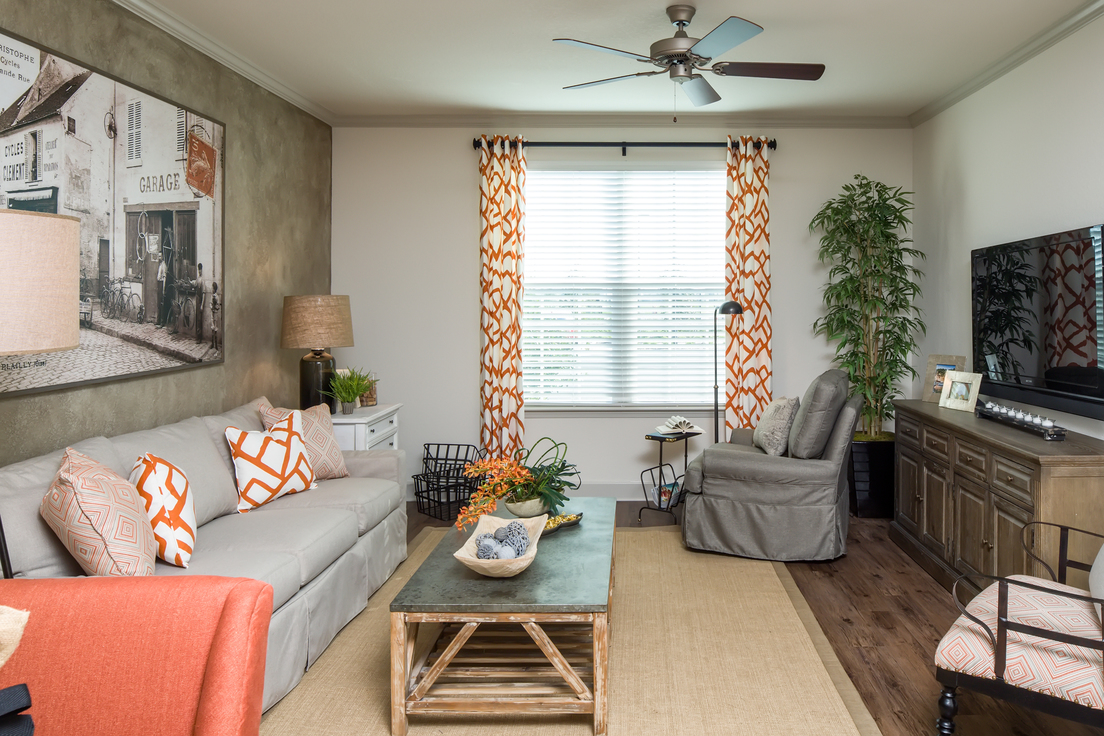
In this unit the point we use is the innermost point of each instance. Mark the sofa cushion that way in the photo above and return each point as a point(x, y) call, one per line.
point(318, 436)
point(269, 464)
point(278, 569)
point(99, 516)
point(169, 508)
point(773, 431)
point(816, 415)
point(35, 550)
point(315, 537)
point(246, 416)
point(188, 446)
point(371, 499)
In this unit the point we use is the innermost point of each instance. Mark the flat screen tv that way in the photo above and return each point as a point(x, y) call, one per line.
point(1038, 327)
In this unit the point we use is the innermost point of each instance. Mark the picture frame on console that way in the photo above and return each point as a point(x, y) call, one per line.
point(960, 390)
point(145, 177)
point(938, 365)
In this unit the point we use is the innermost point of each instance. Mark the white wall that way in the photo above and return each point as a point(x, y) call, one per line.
point(406, 250)
point(1023, 156)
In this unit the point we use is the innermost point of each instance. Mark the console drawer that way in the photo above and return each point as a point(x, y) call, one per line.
point(935, 443)
point(971, 459)
point(1013, 480)
point(907, 430)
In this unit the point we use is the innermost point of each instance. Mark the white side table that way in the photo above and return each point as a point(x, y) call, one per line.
point(368, 428)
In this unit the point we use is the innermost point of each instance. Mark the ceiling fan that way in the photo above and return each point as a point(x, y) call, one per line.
point(682, 56)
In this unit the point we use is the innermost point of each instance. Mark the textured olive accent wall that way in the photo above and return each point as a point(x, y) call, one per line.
point(277, 228)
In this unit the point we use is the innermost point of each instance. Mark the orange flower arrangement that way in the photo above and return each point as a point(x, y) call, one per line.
point(541, 472)
point(503, 477)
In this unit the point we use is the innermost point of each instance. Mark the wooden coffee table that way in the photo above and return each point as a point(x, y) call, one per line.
point(534, 643)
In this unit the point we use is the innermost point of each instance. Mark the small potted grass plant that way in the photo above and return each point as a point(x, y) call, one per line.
point(347, 386)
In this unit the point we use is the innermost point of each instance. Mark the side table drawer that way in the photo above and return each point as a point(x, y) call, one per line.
point(1013, 480)
point(379, 429)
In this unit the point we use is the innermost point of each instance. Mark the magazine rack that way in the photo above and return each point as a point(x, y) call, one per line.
point(662, 488)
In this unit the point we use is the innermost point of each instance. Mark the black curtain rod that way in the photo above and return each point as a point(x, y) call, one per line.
point(772, 144)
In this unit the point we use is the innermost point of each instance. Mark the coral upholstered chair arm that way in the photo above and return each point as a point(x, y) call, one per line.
point(142, 655)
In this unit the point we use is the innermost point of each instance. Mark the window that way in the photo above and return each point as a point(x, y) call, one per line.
point(32, 155)
point(134, 133)
point(181, 134)
point(623, 270)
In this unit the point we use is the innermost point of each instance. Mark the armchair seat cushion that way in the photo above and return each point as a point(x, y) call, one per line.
point(1050, 667)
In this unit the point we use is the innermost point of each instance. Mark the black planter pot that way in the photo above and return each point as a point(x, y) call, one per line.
point(870, 475)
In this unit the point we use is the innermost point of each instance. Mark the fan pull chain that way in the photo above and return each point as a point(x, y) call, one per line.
point(674, 103)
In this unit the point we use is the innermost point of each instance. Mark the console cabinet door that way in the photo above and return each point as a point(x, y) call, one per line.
point(1006, 523)
point(908, 489)
point(971, 553)
point(937, 503)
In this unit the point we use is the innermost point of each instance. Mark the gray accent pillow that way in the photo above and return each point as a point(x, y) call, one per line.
point(816, 416)
point(773, 431)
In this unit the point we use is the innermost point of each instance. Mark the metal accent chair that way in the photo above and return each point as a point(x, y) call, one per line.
point(1031, 641)
point(741, 501)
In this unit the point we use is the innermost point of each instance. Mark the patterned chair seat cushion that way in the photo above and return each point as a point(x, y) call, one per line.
point(1045, 666)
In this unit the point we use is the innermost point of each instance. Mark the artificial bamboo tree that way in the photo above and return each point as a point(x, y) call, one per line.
point(869, 298)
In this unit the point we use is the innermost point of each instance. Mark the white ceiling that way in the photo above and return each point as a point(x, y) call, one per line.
point(369, 62)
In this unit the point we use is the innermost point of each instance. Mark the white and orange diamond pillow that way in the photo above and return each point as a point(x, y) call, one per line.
point(318, 436)
point(269, 464)
point(169, 507)
point(98, 515)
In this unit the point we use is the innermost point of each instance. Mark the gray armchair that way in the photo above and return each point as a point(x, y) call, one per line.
point(741, 501)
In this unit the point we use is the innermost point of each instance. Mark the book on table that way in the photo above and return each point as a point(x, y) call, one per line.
point(677, 425)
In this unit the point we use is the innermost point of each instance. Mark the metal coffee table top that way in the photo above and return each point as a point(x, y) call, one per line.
point(571, 572)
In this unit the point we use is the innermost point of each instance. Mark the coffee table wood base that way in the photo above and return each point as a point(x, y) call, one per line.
point(499, 663)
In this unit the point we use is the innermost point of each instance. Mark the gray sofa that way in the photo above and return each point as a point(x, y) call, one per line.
point(741, 501)
point(324, 551)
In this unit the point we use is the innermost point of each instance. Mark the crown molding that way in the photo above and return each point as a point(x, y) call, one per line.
point(617, 120)
point(1038, 44)
point(189, 34)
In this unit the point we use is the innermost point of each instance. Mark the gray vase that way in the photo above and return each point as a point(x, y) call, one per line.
point(348, 407)
point(526, 509)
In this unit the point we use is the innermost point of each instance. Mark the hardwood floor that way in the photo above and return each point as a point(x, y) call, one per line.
point(883, 616)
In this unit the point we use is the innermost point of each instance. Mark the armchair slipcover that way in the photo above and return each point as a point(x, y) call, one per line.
point(741, 501)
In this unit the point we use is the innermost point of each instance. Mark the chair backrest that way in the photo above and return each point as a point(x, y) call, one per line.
point(839, 443)
point(817, 414)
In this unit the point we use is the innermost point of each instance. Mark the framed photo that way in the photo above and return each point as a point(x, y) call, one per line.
point(938, 365)
point(145, 177)
point(960, 390)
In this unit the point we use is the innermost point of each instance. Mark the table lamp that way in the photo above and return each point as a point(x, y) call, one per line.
point(39, 292)
point(315, 323)
point(726, 308)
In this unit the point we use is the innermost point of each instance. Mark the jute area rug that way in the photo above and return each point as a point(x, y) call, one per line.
point(701, 644)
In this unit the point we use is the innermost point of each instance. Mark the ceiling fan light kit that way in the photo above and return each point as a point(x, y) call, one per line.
point(683, 56)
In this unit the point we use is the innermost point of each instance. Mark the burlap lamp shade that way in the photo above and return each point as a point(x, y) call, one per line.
point(39, 282)
point(316, 322)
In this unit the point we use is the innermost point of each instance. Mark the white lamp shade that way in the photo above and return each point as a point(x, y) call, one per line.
point(39, 282)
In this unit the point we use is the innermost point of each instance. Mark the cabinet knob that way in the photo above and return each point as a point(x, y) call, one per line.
point(966, 458)
point(919, 497)
point(372, 430)
point(1008, 479)
point(391, 421)
point(987, 544)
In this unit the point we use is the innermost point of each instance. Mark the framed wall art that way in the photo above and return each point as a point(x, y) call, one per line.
point(144, 176)
point(938, 365)
point(960, 390)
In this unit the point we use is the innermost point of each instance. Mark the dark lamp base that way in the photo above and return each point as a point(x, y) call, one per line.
point(315, 371)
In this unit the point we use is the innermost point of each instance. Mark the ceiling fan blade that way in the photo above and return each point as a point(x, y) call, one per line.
point(700, 91)
point(614, 79)
point(596, 47)
point(769, 70)
point(727, 35)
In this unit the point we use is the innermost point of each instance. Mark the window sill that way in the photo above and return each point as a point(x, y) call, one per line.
point(659, 410)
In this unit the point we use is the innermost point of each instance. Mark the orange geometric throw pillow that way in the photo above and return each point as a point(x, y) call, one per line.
point(269, 464)
point(169, 507)
point(318, 436)
point(98, 515)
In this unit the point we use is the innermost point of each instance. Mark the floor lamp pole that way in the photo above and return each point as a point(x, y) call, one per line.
point(716, 387)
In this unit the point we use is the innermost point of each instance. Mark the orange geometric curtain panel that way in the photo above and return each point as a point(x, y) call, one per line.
point(501, 241)
point(747, 281)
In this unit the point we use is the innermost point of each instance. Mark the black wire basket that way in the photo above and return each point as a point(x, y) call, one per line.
point(442, 489)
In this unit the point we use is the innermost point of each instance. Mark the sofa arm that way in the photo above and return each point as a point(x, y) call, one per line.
point(386, 464)
point(719, 463)
point(141, 655)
